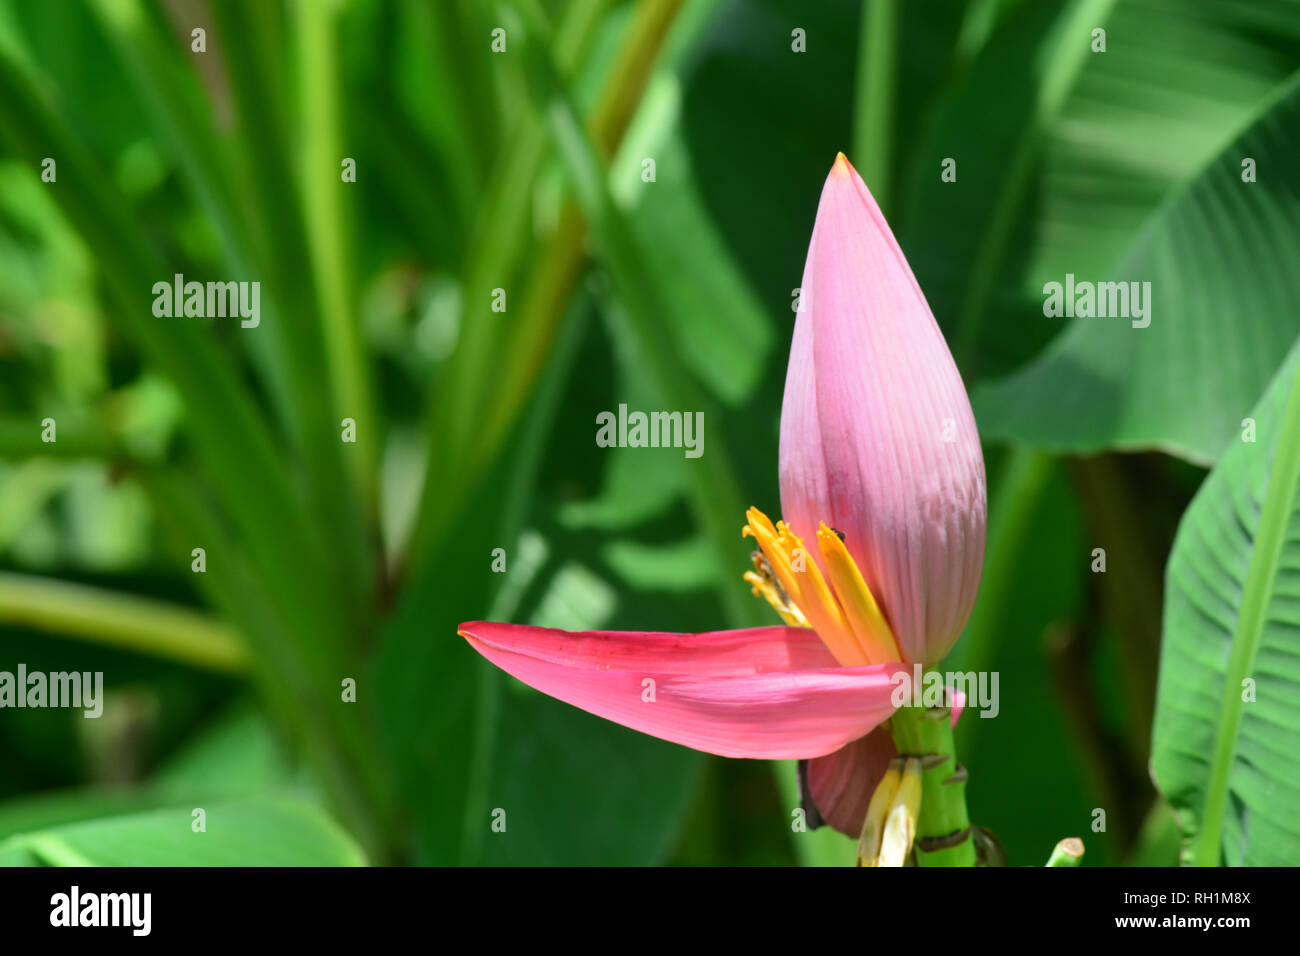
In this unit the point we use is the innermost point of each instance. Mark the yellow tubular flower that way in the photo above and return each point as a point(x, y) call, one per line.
point(900, 825)
point(882, 799)
point(869, 625)
point(798, 575)
point(844, 613)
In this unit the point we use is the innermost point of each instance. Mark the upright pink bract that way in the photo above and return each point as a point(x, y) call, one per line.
point(877, 435)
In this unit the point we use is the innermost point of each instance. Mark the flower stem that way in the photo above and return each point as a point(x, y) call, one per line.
point(1069, 852)
point(135, 623)
point(873, 107)
point(943, 835)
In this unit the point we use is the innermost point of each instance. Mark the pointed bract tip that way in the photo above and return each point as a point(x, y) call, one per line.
point(842, 165)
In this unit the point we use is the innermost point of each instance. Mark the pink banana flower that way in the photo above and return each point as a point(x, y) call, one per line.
point(881, 467)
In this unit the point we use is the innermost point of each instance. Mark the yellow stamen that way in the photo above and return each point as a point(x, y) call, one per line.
point(761, 581)
point(797, 573)
point(869, 625)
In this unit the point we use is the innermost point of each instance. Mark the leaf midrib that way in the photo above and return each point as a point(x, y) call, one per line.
point(1265, 558)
